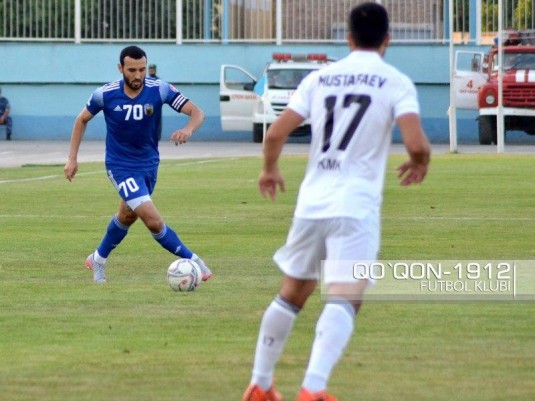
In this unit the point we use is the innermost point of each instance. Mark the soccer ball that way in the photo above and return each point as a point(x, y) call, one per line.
point(184, 275)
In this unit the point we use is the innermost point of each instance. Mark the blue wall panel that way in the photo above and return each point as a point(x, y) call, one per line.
point(48, 84)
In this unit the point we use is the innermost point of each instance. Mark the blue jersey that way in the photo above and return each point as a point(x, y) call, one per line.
point(131, 124)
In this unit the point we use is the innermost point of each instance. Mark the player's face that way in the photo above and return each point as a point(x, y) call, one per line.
point(134, 72)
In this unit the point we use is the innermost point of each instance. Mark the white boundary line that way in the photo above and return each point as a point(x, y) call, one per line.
point(460, 218)
point(50, 177)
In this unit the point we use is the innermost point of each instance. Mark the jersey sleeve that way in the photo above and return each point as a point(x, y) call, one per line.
point(300, 100)
point(172, 96)
point(406, 99)
point(96, 101)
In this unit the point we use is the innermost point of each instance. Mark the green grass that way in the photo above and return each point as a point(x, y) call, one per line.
point(64, 338)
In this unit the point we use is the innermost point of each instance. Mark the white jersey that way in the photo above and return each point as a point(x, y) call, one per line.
point(352, 104)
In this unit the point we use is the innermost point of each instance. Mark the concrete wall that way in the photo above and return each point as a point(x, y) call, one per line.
point(47, 84)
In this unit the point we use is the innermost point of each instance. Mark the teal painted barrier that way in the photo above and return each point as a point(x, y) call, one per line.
point(48, 93)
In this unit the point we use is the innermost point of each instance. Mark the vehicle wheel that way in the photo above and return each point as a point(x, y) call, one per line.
point(258, 133)
point(487, 130)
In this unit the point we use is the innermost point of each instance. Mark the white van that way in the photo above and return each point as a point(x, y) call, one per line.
point(250, 104)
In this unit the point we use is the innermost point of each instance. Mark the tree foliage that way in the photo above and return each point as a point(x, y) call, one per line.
point(517, 14)
point(101, 19)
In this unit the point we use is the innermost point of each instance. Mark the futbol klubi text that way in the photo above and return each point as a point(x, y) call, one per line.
point(444, 278)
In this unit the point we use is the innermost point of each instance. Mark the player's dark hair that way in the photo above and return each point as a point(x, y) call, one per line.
point(133, 52)
point(368, 25)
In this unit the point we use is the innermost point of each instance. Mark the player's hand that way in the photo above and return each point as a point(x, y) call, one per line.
point(268, 183)
point(181, 136)
point(411, 173)
point(70, 169)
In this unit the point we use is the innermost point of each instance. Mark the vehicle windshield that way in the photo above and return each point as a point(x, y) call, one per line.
point(515, 61)
point(286, 79)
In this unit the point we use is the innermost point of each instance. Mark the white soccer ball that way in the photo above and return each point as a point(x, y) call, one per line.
point(184, 275)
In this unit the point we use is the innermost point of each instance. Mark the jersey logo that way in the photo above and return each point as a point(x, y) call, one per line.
point(117, 108)
point(149, 109)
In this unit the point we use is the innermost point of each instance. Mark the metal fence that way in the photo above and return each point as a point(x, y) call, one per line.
point(270, 21)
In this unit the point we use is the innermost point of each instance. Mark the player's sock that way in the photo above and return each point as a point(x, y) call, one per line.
point(115, 233)
point(333, 331)
point(275, 327)
point(98, 258)
point(170, 241)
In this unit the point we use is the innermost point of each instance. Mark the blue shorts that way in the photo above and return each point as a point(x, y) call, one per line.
point(134, 187)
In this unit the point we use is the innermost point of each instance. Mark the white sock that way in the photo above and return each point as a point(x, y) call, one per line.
point(275, 328)
point(333, 331)
point(98, 258)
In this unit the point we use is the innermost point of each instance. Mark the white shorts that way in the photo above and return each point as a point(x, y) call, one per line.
point(310, 241)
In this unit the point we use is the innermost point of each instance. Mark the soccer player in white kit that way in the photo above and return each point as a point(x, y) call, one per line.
point(353, 105)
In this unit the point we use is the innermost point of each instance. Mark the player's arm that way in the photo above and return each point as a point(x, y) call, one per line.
point(274, 140)
point(196, 118)
point(78, 131)
point(415, 169)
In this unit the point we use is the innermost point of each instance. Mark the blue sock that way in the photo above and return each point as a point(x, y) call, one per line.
point(170, 241)
point(113, 237)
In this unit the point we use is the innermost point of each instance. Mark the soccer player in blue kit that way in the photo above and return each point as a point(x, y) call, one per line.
point(132, 107)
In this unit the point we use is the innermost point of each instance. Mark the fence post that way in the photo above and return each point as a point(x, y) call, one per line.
point(500, 129)
point(207, 28)
point(452, 111)
point(479, 25)
point(446, 20)
point(225, 15)
point(473, 22)
point(179, 22)
point(78, 21)
point(278, 23)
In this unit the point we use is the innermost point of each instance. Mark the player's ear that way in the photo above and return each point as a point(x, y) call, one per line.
point(384, 45)
point(386, 42)
point(120, 68)
point(351, 41)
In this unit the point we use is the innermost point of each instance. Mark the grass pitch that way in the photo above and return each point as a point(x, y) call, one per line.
point(64, 338)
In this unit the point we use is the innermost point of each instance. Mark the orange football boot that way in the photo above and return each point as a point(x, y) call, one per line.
point(305, 395)
point(255, 393)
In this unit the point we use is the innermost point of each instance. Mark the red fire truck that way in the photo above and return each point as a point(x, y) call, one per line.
point(476, 85)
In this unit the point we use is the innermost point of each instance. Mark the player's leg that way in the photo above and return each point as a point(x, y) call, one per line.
point(9, 128)
point(334, 329)
point(349, 240)
point(116, 231)
point(164, 234)
point(135, 189)
point(160, 231)
point(303, 248)
point(128, 186)
point(275, 327)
